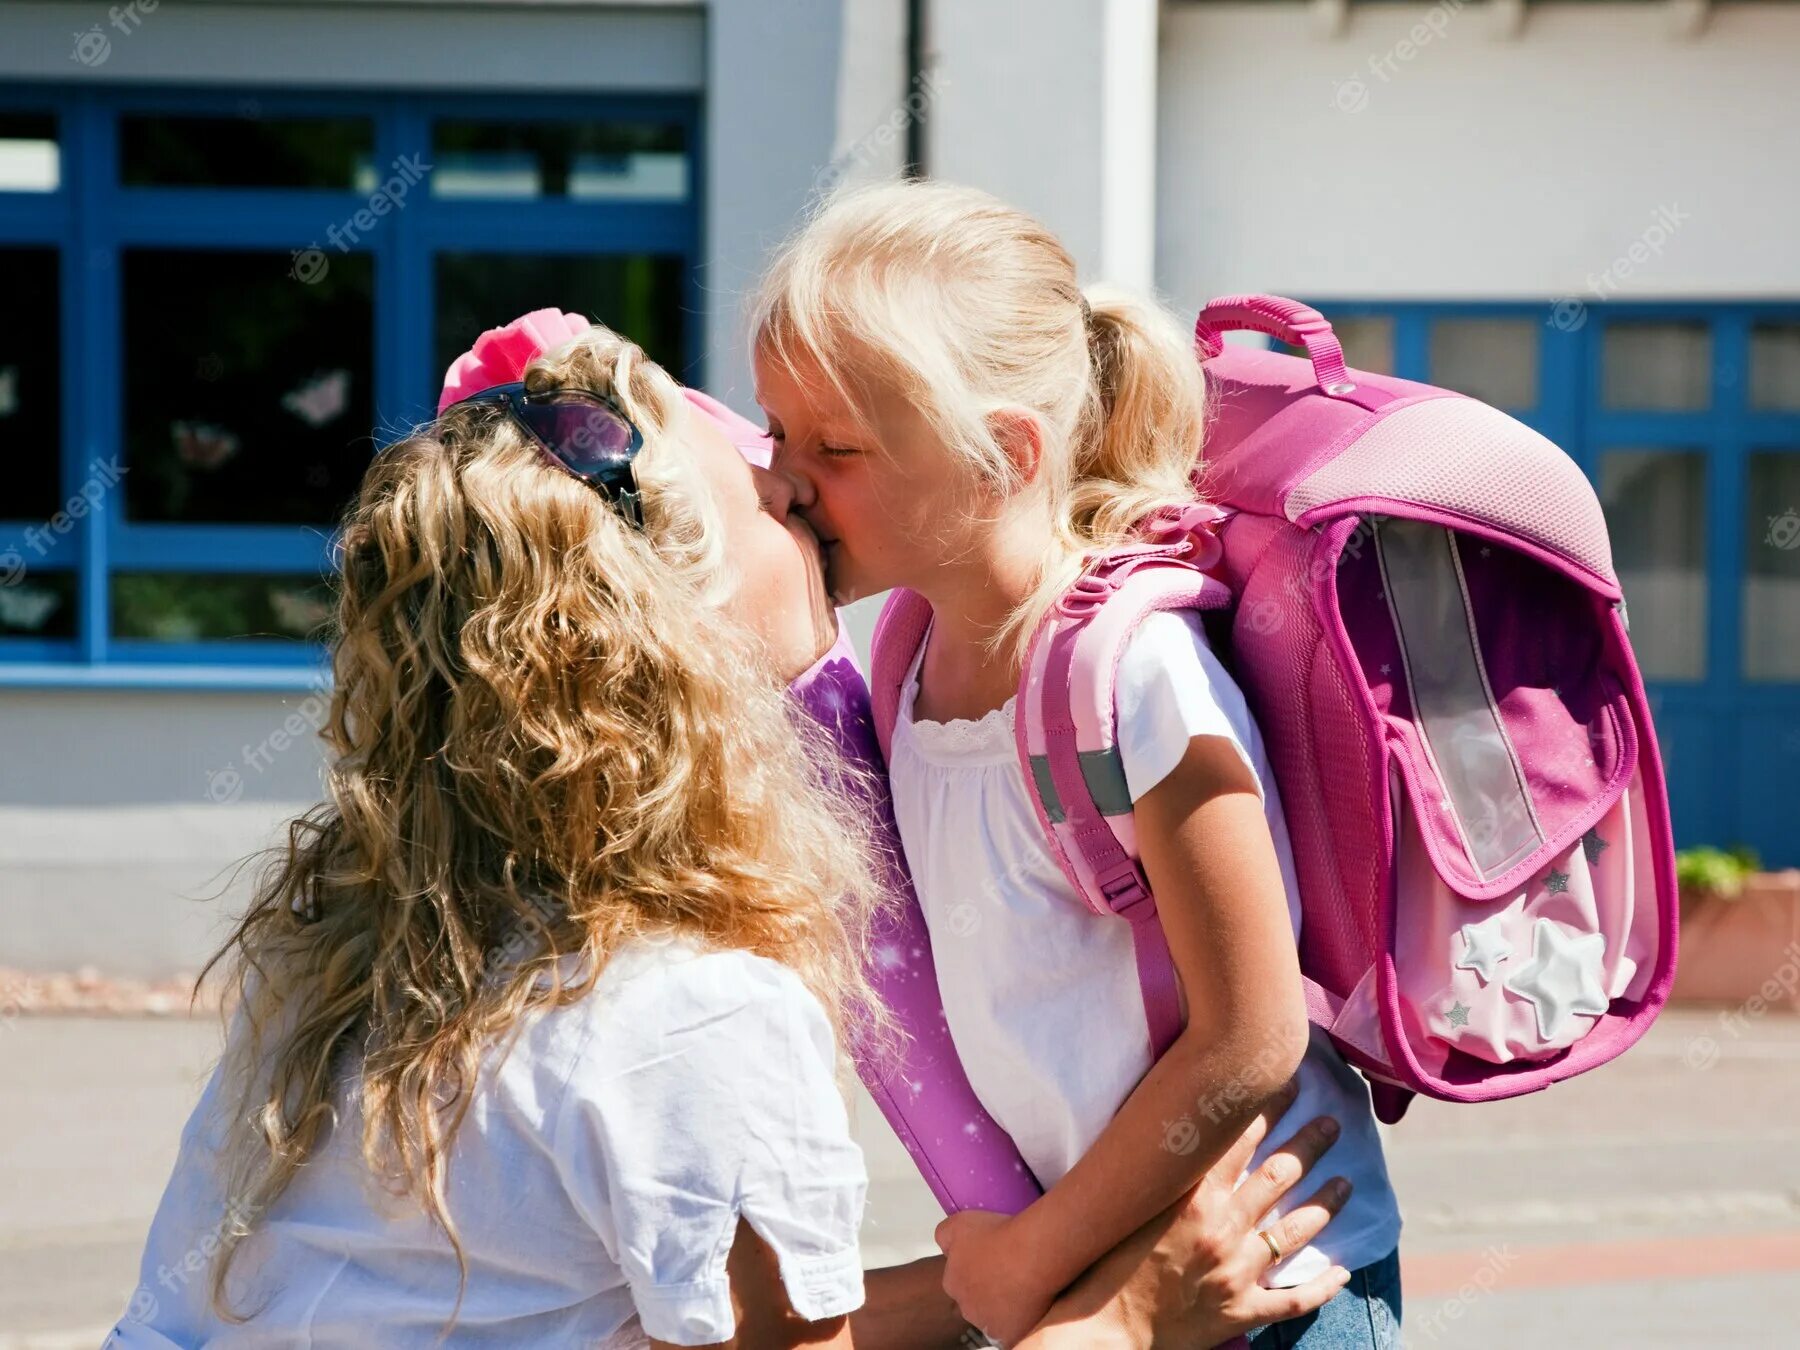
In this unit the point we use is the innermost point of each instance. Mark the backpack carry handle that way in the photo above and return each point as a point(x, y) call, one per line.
point(1289, 321)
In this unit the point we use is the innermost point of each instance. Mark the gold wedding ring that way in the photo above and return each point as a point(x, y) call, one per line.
point(1274, 1246)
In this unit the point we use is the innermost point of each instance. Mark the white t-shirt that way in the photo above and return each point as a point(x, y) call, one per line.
point(1041, 994)
point(596, 1183)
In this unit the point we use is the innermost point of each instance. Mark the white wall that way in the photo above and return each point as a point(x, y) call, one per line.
point(1483, 166)
point(1052, 106)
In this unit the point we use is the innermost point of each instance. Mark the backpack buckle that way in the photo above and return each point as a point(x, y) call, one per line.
point(1087, 594)
point(1127, 891)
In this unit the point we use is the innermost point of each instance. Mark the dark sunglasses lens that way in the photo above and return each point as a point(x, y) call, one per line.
point(588, 437)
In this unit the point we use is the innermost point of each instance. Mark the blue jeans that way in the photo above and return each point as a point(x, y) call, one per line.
point(1365, 1313)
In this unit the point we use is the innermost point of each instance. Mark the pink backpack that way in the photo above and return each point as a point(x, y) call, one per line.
point(1416, 594)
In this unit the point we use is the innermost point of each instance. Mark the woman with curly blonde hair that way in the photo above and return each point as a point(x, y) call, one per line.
point(537, 1015)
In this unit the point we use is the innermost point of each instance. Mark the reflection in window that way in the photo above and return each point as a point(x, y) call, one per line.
point(1494, 360)
point(250, 151)
point(30, 158)
point(247, 390)
point(1655, 502)
point(1775, 366)
point(35, 604)
point(1657, 365)
point(195, 607)
point(640, 296)
point(580, 160)
point(1367, 340)
point(1772, 567)
point(30, 384)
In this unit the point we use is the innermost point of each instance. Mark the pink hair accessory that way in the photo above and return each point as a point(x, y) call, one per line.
point(753, 443)
point(500, 355)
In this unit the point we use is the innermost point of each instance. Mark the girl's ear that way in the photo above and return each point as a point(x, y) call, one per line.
point(1020, 436)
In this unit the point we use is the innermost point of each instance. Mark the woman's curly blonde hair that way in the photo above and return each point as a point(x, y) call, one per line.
point(547, 737)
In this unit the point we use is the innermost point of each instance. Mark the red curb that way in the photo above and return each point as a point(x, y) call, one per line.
point(1507, 1266)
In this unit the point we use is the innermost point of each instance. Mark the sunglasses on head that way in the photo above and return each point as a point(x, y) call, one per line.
point(585, 432)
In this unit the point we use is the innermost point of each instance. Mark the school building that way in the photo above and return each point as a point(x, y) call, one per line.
point(240, 240)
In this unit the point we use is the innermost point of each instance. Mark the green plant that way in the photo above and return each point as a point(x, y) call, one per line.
point(1715, 871)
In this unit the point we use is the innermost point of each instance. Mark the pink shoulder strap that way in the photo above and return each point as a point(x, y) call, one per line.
point(1067, 740)
point(898, 633)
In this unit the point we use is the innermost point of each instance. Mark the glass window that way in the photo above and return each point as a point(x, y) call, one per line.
point(1494, 360)
point(30, 158)
point(640, 296)
point(1775, 366)
point(30, 384)
point(246, 152)
point(35, 604)
point(194, 607)
point(1665, 366)
point(1367, 340)
point(247, 384)
point(585, 161)
point(1655, 502)
point(1772, 567)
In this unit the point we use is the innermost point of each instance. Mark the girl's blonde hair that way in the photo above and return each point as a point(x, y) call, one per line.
point(961, 305)
point(546, 738)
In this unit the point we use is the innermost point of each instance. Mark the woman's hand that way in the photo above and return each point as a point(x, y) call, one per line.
point(1190, 1276)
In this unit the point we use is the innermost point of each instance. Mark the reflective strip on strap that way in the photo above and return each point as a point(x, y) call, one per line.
point(1104, 773)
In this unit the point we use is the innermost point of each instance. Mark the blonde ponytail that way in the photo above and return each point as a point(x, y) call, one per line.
point(962, 306)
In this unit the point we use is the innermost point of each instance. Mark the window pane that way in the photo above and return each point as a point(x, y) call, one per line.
point(581, 160)
point(1655, 502)
point(1772, 568)
point(35, 604)
point(30, 159)
point(1368, 342)
point(192, 607)
point(30, 384)
point(1494, 360)
point(640, 296)
point(247, 390)
point(1775, 366)
point(1657, 365)
point(312, 152)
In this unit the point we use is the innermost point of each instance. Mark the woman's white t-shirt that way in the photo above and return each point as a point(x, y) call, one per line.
point(1041, 994)
point(596, 1183)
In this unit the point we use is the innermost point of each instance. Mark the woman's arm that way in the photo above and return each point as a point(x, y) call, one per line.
point(905, 1308)
point(1189, 1278)
point(1212, 865)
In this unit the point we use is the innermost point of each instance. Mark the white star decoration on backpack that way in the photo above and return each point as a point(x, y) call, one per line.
point(1484, 947)
point(1563, 980)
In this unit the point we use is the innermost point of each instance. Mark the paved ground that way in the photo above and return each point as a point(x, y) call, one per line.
point(1656, 1204)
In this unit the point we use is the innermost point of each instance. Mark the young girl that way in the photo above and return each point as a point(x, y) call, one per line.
point(535, 1043)
point(958, 418)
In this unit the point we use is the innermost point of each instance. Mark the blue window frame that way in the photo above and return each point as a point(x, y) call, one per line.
point(1695, 408)
point(541, 187)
